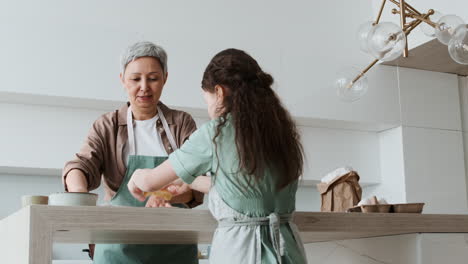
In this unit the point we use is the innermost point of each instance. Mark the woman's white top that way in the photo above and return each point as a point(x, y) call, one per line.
point(148, 141)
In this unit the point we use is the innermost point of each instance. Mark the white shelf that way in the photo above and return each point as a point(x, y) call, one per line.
point(313, 183)
point(430, 56)
point(343, 124)
point(30, 171)
point(110, 105)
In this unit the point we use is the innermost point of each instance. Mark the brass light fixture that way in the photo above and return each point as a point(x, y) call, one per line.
point(386, 41)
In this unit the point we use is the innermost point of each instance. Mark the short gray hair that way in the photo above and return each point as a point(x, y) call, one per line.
point(143, 49)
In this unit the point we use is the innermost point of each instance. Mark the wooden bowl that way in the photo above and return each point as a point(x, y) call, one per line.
point(73, 199)
point(408, 208)
point(376, 208)
point(27, 200)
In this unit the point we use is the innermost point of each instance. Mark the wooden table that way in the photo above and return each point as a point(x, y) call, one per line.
point(27, 235)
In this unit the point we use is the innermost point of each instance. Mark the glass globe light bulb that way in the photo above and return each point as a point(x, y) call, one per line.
point(458, 45)
point(427, 29)
point(386, 41)
point(460, 32)
point(348, 90)
point(362, 33)
point(446, 26)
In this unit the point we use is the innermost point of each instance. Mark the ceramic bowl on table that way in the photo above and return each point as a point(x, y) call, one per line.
point(73, 199)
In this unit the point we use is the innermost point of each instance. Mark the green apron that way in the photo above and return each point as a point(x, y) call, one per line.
point(141, 253)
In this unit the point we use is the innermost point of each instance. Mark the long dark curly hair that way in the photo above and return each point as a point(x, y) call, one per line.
point(266, 136)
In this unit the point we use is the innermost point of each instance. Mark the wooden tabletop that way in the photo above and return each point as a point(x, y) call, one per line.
point(173, 225)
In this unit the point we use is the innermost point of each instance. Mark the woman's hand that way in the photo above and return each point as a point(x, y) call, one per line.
point(76, 181)
point(154, 201)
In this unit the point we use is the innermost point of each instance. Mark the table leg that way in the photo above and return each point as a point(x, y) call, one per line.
point(40, 249)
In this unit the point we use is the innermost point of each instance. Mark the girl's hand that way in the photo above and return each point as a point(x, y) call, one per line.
point(150, 180)
point(178, 187)
point(135, 191)
point(136, 184)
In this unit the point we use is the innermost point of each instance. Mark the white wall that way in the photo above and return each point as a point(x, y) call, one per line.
point(72, 49)
point(41, 136)
point(327, 149)
point(429, 99)
point(392, 185)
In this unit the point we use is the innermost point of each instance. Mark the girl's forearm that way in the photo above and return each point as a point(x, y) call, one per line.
point(159, 177)
point(164, 175)
point(201, 184)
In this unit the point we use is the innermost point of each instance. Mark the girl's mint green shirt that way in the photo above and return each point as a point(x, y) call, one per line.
point(197, 157)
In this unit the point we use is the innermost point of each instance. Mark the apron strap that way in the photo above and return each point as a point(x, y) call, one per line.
point(273, 221)
point(166, 128)
point(276, 237)
point(131, 133)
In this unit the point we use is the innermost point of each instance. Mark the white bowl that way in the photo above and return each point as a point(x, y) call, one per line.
point(73, 199)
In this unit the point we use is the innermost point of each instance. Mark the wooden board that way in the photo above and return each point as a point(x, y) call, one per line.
point(173, 225)
point(430, 56)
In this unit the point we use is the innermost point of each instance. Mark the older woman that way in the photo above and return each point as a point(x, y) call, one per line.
point(140, 134)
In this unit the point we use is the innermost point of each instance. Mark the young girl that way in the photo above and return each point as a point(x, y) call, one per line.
point(253, 152)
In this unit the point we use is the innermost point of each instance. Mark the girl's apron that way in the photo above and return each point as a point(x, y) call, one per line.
point(238, 238)
point(142, 254)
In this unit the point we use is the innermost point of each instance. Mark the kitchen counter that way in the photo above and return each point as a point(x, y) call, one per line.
point(28, 234)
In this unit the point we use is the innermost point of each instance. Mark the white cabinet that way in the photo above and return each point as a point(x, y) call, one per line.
point(429, 99)
point(435, 169)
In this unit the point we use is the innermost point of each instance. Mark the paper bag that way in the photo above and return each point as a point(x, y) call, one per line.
point(340, 194)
